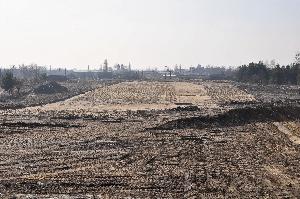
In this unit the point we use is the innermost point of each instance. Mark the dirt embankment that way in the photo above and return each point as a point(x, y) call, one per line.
point(236, 117)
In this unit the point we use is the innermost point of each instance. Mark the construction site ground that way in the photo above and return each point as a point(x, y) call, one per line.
point(197, 139)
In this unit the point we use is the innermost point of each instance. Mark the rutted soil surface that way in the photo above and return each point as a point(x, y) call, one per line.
point(187, 151)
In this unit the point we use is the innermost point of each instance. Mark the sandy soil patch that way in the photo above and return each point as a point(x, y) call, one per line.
point(151, 95)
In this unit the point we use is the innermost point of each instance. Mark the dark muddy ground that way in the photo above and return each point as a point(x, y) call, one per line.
point(237, 117)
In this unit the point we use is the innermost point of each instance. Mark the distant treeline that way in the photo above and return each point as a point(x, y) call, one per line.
point(261, 73)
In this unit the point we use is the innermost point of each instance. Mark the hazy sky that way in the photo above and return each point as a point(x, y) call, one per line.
point(155, 33)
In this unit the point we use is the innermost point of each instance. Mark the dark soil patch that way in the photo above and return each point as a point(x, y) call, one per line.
point(50, 88)
point(236, 117)
point(39, 125)
point(185, 108)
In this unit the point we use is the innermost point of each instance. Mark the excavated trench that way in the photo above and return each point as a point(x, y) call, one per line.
point(236, 117)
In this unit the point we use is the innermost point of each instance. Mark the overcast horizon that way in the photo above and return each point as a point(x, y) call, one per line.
point(156, 33)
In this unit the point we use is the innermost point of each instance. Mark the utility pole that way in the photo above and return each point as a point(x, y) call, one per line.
point(166, 67)
point(129, 67)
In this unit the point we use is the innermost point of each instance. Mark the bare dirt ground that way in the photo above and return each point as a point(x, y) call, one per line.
point(153, 95)
point(153, 140)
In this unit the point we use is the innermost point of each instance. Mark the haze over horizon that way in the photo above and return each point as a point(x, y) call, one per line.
point(156, 33)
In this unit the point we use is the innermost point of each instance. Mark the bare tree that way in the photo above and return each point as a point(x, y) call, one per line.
point(297, 58)
point(18, 85)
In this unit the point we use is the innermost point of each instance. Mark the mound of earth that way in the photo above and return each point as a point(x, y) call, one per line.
point(236, 117)
point(186, 108)
point(50, 88)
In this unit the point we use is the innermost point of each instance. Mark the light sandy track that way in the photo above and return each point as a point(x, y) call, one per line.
point(152, 95)
point(226, 92)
